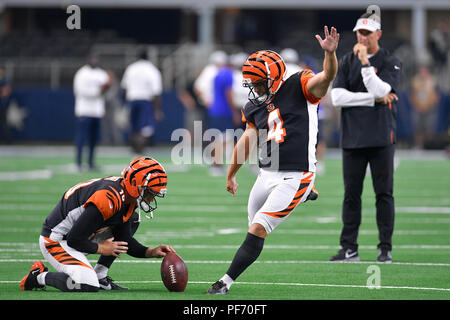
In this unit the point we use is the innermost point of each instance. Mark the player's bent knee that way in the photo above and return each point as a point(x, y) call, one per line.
point(257, 230)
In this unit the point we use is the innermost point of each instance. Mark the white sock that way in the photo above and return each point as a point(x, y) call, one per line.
point(101, 271)
point(227, 280)
point(41, 278)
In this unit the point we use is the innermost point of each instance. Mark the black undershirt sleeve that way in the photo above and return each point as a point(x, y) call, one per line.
point(135, 248)
point(89, 221)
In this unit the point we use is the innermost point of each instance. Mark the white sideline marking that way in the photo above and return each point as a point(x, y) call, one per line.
point(25, 175)
point(303, 284)
point(439, 210)
point(275, 284)
point(426, 264)
point(72, 169)
point(314, 247)
point(338, 232)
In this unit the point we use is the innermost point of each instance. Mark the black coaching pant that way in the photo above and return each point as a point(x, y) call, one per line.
point(381, 162)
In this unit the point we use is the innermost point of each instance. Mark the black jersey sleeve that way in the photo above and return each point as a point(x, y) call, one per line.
point(89, 221)
point(135, 248)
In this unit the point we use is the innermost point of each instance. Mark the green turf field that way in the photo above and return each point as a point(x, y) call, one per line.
point(206, 225)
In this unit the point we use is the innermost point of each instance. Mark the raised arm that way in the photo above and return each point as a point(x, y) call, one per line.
point(318, 85)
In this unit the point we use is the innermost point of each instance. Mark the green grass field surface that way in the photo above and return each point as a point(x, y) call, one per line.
point(206, 225)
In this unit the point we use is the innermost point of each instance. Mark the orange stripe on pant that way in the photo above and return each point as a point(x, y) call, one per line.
point(304, 185)
point(61, 255)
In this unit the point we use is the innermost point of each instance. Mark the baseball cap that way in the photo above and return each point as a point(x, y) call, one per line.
point(238, 59)
point(289, 55)
point(218, 57)
point(367, 24)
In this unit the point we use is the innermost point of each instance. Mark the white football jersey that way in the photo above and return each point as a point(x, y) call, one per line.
point(87, 86)
point(142, 81)
point(204, 83)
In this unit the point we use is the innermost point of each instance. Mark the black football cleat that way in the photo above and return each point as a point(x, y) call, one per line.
point(313, 195)
point(29, 282)
point(346, 255)
point(384, 255)
point(219, 287)
point(107, 283)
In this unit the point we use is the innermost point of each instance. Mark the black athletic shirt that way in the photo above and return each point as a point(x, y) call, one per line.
point(368, 126)
point(287, 126)
point(88, 207)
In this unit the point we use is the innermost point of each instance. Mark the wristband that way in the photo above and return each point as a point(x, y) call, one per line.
point(367, 65)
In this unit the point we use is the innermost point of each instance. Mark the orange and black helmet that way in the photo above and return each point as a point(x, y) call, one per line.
point(263, 67)
point(144, 175)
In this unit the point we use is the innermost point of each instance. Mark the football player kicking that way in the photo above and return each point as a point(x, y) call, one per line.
point(97, 216)
point(282, 116)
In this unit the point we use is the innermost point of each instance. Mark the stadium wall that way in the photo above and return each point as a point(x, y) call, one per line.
point(49, 116)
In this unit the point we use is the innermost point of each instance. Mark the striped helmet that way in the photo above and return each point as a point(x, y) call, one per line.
point(264, 67)
point(142, 175)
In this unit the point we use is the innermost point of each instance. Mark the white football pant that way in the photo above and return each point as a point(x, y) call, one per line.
point(275, 194)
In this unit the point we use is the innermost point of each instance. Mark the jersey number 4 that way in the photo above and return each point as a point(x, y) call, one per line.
point(275, 126)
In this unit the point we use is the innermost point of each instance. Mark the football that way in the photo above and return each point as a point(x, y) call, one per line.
point(174, 273)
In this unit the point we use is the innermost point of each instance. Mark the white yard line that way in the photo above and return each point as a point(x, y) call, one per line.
point(146, 261)
point(419, 210)
point(277, 284)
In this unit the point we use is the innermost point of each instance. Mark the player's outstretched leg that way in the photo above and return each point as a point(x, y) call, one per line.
point(247, 254)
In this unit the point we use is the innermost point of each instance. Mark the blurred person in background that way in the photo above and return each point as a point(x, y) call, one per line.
point(203, 84)
point(240, 93)
point(114, 123)
point(5, 96)
point(90, 84)
point(424, 99)
point(365, 89)
point(440, 44)
point(290, 57)
point(222, 115)
point(194, 110)
point(142, 83)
